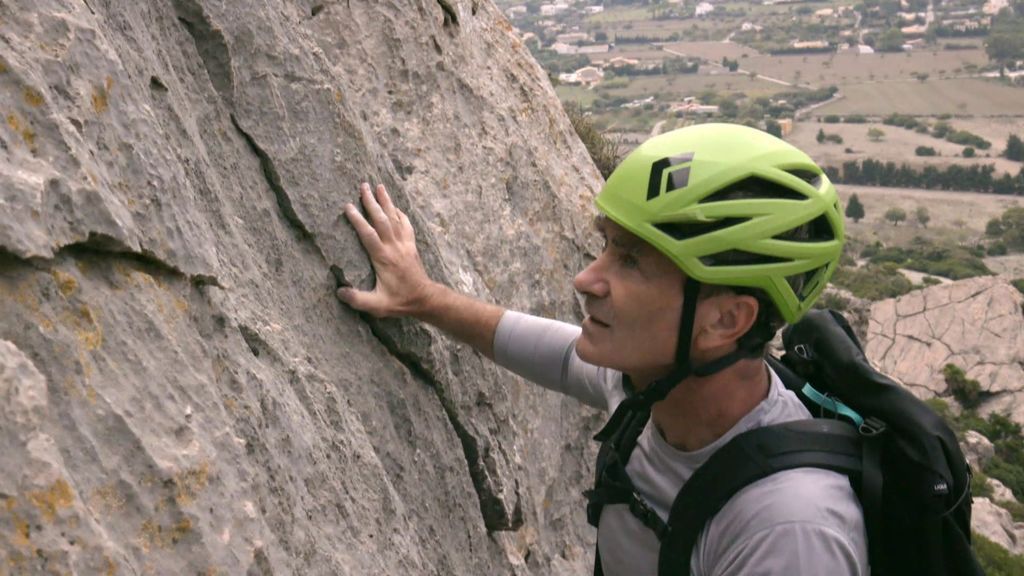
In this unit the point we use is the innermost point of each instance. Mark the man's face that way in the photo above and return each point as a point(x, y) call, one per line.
point(633, 299)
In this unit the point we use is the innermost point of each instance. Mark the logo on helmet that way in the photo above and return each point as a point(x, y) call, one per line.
point(678, 177)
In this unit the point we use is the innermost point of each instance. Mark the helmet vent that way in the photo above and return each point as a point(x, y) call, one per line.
point(817, 230)
point(685, 231)
point(753, 189)
point(740, 258)
point(811, 178)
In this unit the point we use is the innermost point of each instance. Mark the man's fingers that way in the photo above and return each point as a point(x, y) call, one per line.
point(357, 299)
point(381, 222)
point(384, 199)
point(367, 234)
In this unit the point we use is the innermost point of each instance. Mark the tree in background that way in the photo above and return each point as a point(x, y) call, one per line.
point(968, 152)
point(890, 41)
point(994, 228)
point(1013, 229)
point(1014, 148)
point(821, 136)
point(923, 217)
point(895, 215)
point(854, 209)
point(1005, 42)
point(876, 134)
point(773, 127)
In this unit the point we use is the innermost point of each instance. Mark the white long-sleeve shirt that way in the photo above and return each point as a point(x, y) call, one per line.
point(802, 522)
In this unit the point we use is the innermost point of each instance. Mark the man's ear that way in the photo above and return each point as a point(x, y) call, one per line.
point(728, 318)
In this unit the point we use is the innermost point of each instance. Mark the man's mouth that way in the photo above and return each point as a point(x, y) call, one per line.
point(593, 319)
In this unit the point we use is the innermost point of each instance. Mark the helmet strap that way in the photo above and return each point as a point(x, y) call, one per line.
point(660, 388)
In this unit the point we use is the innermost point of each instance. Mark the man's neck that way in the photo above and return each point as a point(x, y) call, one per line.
point(701, 410)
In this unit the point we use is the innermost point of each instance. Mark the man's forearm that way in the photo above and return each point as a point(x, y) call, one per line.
point(466, 318)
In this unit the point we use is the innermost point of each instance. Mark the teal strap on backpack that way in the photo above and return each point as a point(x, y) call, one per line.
point(831, 404)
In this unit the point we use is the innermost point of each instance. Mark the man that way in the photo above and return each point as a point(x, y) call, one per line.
point(714, 236)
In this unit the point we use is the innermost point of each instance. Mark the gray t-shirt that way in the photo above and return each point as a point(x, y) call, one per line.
point(798, 522)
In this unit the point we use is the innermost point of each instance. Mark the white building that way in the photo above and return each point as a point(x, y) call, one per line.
point(703, 9)
point(810, 44)
point(588, 76)
point(563, 48)
point(573, 38)
point(552, 9)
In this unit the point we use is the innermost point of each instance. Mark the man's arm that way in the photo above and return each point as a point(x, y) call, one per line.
point(403, 286)
point(538, 349)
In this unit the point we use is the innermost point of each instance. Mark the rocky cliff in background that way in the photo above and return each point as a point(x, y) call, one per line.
point(180, 392)
point(976, 324)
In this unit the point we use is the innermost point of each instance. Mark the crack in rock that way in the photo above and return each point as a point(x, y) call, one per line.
point(98, 243)
point(284, 201)
point(495, 516)
point(451, 16)
point(210, 44)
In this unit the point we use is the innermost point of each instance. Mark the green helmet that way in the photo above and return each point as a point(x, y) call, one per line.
point(735, 206)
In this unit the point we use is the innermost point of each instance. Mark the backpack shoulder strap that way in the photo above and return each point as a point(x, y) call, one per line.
point(747, 458)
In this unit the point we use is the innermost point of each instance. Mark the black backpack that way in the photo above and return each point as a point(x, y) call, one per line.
point(903, 461)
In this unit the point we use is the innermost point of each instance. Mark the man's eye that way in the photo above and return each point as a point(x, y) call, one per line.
point(629, 260)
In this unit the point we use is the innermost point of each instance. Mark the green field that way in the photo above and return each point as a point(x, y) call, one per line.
point(965, 96)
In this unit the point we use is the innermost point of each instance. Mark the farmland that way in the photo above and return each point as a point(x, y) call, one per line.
point(796, 62)
point(961, 96)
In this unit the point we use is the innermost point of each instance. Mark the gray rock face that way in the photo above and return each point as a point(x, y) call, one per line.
point(977, 324)
point(181, 391)
point(977, 449)
point(997, 525)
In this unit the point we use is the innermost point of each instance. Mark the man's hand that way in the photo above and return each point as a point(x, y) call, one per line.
point(403, 287)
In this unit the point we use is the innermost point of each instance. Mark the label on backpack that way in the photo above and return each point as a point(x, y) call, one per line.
point(940, 488)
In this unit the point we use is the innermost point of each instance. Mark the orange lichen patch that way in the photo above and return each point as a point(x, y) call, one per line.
point(231, 405)
point(24, 294)
point(53, 499)
point(338, 96)
point(22, 532)
point(100, 100)
point(23, 130)
point(82, 321)
point(3, 67)
point(32, 97)
point(106, 498)
point(153, 535)
point(181, 304)
point(111, 566)
point(189, 483)
point(66, 283)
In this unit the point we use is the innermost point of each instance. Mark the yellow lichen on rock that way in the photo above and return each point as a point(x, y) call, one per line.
point(66, 283)
point(189, 483)
point(83, 322)
point(154, 535)
point(106, 498)
point(22, 129)
point(32, 97)
point(53, 499)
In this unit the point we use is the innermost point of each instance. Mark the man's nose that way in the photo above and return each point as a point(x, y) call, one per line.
point(591, 280)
